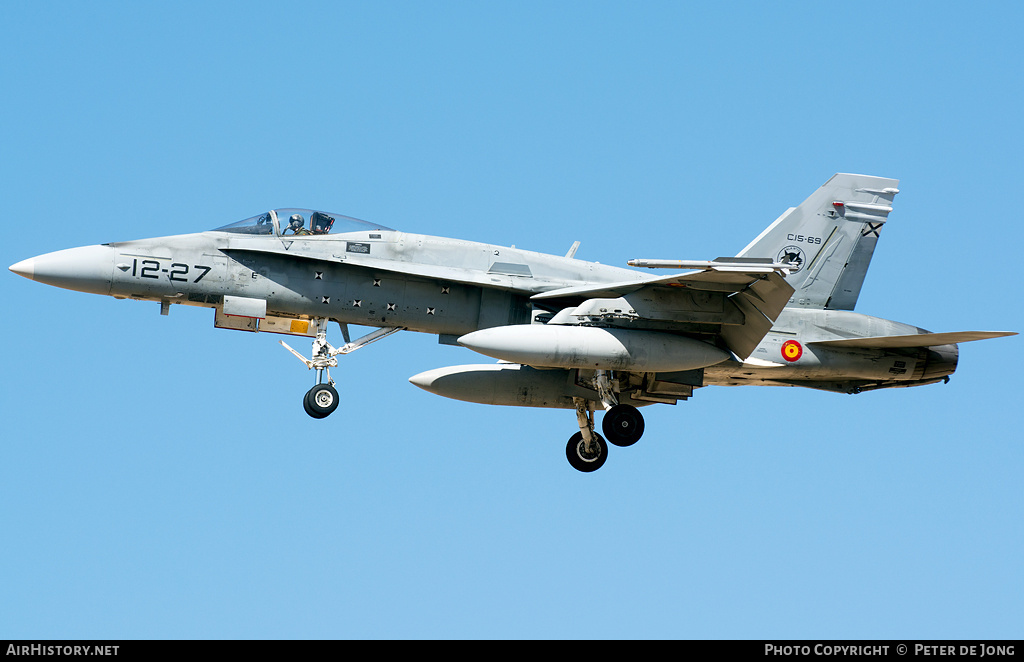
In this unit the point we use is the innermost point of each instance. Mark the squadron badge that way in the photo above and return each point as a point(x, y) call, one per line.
point(792, 255)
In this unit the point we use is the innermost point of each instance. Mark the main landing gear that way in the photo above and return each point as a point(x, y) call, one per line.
point(623, 425)
point(322, 399)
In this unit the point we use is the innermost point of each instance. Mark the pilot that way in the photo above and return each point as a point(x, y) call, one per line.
point(295, 224)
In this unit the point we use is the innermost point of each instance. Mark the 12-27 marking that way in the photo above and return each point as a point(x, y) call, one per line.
point(179, 271)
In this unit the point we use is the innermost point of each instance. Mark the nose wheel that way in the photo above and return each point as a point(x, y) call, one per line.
point(320, 400)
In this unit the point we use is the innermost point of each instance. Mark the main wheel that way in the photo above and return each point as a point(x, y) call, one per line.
point(580, 459)
point(320, 400)
point(623, 425)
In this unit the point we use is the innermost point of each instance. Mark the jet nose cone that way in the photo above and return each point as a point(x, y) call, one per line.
point(25, 268)
point(85, 269)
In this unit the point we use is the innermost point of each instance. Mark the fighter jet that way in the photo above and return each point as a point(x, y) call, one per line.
point(567, 333)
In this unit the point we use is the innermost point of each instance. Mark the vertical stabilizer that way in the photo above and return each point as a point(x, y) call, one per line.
point(831, 237)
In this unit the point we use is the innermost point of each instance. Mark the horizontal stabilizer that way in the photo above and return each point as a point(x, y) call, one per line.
point(916, 340)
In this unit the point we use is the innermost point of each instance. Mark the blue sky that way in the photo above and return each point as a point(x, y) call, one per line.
point(159, 479)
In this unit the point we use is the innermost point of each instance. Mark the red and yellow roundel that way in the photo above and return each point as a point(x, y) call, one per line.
point(791, 350)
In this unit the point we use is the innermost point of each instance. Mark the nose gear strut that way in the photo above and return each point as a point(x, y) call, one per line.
point(322, 399)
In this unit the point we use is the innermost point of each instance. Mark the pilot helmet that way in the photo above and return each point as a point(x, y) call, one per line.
point(296, 221)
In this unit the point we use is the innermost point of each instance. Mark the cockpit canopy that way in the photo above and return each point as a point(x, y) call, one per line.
point(299, 222)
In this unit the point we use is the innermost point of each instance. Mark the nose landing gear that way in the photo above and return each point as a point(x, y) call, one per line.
point(323, 399)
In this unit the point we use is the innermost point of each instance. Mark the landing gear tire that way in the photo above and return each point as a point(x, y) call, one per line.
point(320, 400)
point(580, 459)
point(623, 425)
point(305, 405)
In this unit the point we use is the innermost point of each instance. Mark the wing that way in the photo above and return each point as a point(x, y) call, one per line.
point(723, 266)
point(916, 340)
point(732, 304)
point(736, 304)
